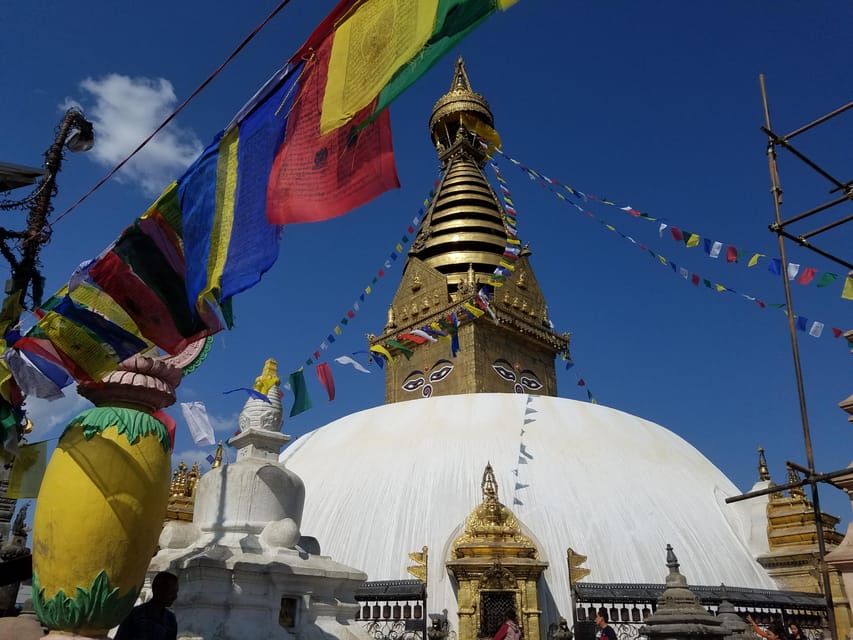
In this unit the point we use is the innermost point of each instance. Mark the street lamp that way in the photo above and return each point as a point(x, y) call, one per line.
point(75, 133)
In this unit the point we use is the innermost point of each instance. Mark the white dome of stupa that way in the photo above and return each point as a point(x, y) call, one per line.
point(387, 481)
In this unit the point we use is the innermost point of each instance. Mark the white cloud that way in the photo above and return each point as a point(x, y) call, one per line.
point(125, 111)
point(49, 416)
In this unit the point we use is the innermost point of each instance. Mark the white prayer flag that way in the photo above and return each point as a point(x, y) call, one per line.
point(661, 228)
point(31, 381)
point(715, 249)
point(347, 360)
point(195, 413)
point(816, 329)
point(793, 269)
point(684, 273)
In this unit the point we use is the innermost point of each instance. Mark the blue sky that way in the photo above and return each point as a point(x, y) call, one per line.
point(652, 105)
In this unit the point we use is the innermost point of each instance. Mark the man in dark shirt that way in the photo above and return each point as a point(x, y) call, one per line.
point(605, 631)
point(152, 620)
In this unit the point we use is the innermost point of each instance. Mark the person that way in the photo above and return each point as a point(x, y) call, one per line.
point(773, 632)
point(509, 630)
point(794, 631)
point(152, 620)
point(605, 631)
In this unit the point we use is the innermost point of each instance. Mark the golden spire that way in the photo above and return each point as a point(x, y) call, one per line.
point(217, 458)
point(489, 484)
point(763, 471)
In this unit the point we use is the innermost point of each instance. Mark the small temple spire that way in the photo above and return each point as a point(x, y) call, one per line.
point(460, 77)
point(217, 457)
point(763, 471)
point(489, 484)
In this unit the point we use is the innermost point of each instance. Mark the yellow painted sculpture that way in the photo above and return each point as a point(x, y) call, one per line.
point(98, 517)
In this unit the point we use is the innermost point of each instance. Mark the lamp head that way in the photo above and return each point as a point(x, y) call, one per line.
point(83, 136)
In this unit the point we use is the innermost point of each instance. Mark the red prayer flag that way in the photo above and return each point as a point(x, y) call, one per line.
point(581, 382)
point(807, 275)
point(731, 254)
point(316, 177)
point(676, 234)
point(324, 374)
point(695, 279)
point(837, 332)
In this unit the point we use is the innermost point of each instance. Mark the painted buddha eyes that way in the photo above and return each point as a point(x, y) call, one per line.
point(523, 382)
point(418, 380)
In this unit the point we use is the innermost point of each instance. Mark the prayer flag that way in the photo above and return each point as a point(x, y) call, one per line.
point(754, 259)
point(836, 332)
point(378, 348)
point(775, 266)
point(399, 345)
point(676, 234)
point(692, 240)
point(324, 375)
point(792, 270)
point(715, 249)
point(27, 471)
point(807, 275)
point(847, 293)
point(731, 254)
point(355, 364)
point(802, 323)
point(301, 401)
point(816, 329)
point(827, 279)
point(195, 414)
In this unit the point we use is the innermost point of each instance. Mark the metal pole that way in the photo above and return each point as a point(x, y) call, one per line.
point(776, 190)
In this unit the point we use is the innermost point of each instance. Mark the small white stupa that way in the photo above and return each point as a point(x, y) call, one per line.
point(244, 568)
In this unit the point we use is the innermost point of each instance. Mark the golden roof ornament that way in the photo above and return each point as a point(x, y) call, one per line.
point(493, 525)
point(217, 457)
point(763, 471)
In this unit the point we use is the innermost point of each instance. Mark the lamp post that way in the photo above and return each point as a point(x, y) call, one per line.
point(76, 134)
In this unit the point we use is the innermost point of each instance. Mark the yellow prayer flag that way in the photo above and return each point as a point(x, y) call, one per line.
point(370, 45)
point(754, 259)
point(487, 133)
point(720, 287)
point(475, 311)
point(338, 330)
point(27, 471)
point(662, 259)
point(378, 348)
point(693, 240)
point(847, 294)
point(506, 4)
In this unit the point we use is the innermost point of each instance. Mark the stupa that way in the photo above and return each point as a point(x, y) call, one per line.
point(245, 569)
point(478, 386)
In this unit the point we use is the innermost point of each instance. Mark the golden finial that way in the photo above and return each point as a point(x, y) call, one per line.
point(268, 378)
point(763, 471)
point(179, 480)
point(489, 485)
point(472, 278)
point(217, 458)
point(192, 479)
point(794, 476)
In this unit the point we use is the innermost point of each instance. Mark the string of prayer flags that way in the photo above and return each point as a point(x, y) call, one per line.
point(350, 314)
point(714, 249)
point(27, 471)
point(195, 415)
point(814, 329)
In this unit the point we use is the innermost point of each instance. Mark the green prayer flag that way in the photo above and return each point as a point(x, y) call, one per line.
point(398, 345)
point(827, 279)
point(301, 401)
